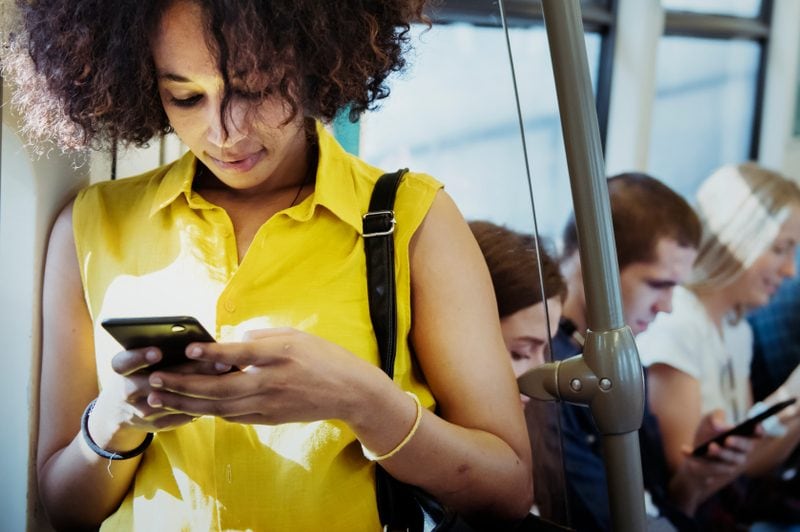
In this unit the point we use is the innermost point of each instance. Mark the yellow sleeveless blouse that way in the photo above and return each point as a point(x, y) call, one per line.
point(151, 246)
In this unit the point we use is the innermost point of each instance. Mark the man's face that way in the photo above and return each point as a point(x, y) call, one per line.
point(647, 286)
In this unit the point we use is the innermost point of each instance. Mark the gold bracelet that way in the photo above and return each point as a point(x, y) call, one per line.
point(369, 455)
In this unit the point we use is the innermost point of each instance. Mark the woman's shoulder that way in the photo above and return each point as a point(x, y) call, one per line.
point(413, 182)
point(335, 163)
point(126, 189)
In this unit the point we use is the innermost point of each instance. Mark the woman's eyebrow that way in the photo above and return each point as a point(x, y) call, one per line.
point(170, 76)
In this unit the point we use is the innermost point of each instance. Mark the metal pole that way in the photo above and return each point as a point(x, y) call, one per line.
point(617, 401)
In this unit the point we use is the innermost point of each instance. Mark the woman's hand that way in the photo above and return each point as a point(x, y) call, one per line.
point(284, 375)
point(122, 415)
point(699, 477)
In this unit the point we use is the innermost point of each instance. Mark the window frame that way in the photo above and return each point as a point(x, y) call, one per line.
point(599, 16)
point(728, 27)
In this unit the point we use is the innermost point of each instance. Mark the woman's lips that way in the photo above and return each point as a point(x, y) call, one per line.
point(240, 164)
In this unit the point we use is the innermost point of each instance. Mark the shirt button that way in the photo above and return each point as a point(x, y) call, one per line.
point(590, 439)
point(229, 306)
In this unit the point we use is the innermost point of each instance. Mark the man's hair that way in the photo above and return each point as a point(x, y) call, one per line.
point(84, 72)
point(514, 267)
point(643, 211)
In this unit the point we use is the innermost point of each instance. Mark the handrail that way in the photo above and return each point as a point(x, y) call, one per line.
point(608, 376)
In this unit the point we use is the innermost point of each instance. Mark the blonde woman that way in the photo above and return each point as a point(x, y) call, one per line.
point(699, 355)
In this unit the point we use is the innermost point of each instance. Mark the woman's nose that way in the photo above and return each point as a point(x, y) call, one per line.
point(224, 128)
point(789, 266)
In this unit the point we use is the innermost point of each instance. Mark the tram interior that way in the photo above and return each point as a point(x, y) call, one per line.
point(681, 87)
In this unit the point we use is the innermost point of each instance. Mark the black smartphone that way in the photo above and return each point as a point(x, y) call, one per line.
point(169, 333)
point(745, 428)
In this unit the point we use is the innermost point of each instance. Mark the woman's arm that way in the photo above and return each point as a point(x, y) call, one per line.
point(480, 448)
point(78, 488)
point(771, 452)
point(699, 477)
point(675, 400)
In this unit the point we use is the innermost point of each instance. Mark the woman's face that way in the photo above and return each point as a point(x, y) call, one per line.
point(257, 145)
point(526, 335)
point(760, 281)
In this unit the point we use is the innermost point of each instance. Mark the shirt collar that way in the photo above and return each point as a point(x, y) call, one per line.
point(177, 180)
point(335, 183)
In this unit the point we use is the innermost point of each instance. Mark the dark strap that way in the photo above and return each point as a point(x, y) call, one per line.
point(378, 228)
point(396, 507)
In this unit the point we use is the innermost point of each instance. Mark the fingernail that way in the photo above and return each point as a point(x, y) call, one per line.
point(156, 382)
point(195, 352)
point(151, 356)
point(219, 366)
point(154, 401)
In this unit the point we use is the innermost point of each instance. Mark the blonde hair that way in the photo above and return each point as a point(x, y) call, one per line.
point(741, 208)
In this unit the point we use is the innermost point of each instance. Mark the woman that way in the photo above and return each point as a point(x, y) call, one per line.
point(530, 292)
point(257, 233)
point(529, 305)
point(699, 355)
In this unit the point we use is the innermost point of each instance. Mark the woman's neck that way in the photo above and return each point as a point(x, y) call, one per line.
point(718, 304)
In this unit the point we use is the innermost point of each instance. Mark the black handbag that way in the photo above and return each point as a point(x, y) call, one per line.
point(402, 506)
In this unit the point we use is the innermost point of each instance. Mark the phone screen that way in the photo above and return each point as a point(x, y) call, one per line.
point(171, 334)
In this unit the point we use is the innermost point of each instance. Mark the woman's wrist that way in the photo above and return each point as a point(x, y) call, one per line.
point(371, 455)
point(111, 454)
point(113, 437)
point(382, 416)
point(685, 492)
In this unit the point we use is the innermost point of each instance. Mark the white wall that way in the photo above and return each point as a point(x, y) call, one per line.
point(31, 194)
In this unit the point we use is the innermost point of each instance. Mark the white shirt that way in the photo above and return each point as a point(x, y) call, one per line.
point(688, 341)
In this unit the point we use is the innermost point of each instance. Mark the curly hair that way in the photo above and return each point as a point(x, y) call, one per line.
point(84, 72)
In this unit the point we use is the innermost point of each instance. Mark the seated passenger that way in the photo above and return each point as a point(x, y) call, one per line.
point(657, 234)
point(529, 308)
point(699, 356)
point(515, 267)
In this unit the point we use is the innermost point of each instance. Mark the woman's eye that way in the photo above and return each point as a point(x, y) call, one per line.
point(517, 356)
point(781, 249)
point(186, 102)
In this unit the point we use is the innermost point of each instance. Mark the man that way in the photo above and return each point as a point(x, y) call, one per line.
point(657, 234)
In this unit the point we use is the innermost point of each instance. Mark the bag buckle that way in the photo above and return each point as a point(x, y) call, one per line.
point(382, 223)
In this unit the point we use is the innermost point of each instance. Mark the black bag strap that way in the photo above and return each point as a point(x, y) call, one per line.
point(400, 505)
point(396, 507)
point(378, 229)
